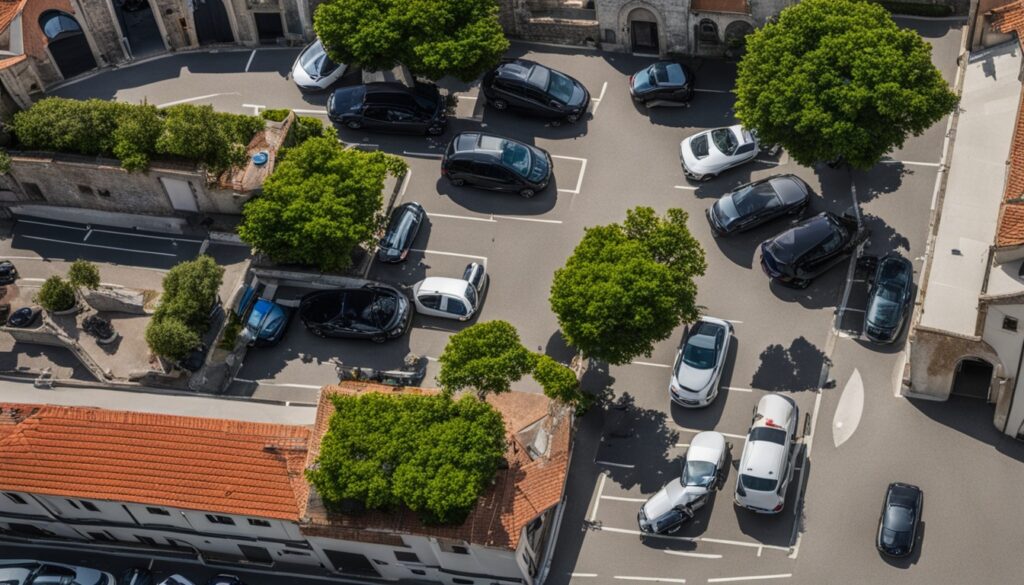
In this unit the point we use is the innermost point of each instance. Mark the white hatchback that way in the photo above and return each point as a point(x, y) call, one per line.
point(706, 154)
point(766, 467)
point(451, 298)
point(314, 70)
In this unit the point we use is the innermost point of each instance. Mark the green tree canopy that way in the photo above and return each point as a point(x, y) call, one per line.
point(432, 38)
point(320, 202)
point(56, 294)
point(559, 383)
point(487, 357)
point(171, 338)
point(427, 452)
point(627, 286)
point(839, 78)
point(84, 274)
point(190, 290)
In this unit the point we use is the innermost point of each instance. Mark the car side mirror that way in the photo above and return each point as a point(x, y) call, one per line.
point(555, 104)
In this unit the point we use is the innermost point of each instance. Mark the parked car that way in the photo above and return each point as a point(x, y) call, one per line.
point(707, 154)
point(757, 203)
point(28, 572)
point(766, 468)
point(176, 580)
point(267, 323)
point(492, 162)
point(405, 223)
point(662, 82)
point(136, 576)
point(889, 299)
point(225, 580)
point(535, 89)
point(373, 311)
point(390, 107)
point(699, 363)
point(452, 298)
point(897, 525)
point(24, 317)
point(8, 272)
point(314, 70)
point(666, 511)
point(805, 251)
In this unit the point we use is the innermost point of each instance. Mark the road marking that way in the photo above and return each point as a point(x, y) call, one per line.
point(466, 97)
point(255, 108)
point(730, 435)
point(583, 574)
point(597, 500)
point(653, 365)
point(535, 220)
point(657, 579)
point(849, 310)
point(470, 256)
point(466, 217)
point(622, 499)
point(492, 219)
point(713, 90)
point(321, 112)
point(681, 445)
point(249, 64)
point(693, 554)
point(405, 184)
point(622, 465)
point(849, 410)
point(69, 227)
point(575, 158)
point(909, 162)
point(196, 99)
point(756, 545)
point(768, 162)
point(579, 180)
point(684, 187)
point(423, 154)
point(593, 111)
point(91, 229)
point(99, 246)
point(733, 321)
point(738, 389)
point(279, 384)
point(746, 544)
point(750, 578)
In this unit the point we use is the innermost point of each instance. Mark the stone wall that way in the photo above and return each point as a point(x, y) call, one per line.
point(934, 356)
point(560, 31)
point(672, 17)
point(174, 19)
point(97, 18)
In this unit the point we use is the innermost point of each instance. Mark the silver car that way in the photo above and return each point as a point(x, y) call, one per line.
point(314, 70)
point(676, 503)
point(707, 154)
point(27, 572)
point(697, 372)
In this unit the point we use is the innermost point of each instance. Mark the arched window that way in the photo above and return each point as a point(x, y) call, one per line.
point(56, 24)
point(708, 32)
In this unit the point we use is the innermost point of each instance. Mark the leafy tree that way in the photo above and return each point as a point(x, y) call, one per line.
point(65, 125)
point(56, 294)
point(559, 383)
point(190, 290)
point(138, 129)
point(306, 127)
point(84, 274)
point(487, 357)
point(839, 78)
point(200, 134)
point(5, 162)
point(275, 114)
point(170, 337)
point(320, 202)
point(627, 286)
point(433, 38)
point(426, 452)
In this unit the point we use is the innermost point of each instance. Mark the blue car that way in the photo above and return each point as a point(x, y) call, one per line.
point(265, 321)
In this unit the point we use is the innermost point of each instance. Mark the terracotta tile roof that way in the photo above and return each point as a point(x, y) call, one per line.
point(736, 6)
point(5, 63)
point(8, 10)
point(1011, 225)
point(519, 494)
point(1008, 18)
point(229, 467)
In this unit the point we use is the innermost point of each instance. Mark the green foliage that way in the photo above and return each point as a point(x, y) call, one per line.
point(170, 338)
point(306, 127)
point(320, 202)
point(198, 133)
point(135, 138)
point(84, 274)
point(190, 290)
point(275, 115)
point(5, 162)
point(429, 453)
point(559, 383)
point(83, 127)
point(487, 357)
point(627, 286)
point(56, 294)
point(231, 331)
point(839, 78)
point(431, 38)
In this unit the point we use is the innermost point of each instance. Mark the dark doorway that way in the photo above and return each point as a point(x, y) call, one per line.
point(351, 563)
point(269, 26)
point(67, 43)
point(139, 27)
point(256, 554)
point(973, 378)
point(212, 24)
point(645, 37)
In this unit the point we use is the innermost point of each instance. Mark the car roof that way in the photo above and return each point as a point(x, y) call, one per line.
point(774, 410)
point(706, 446)
point(518, 69)
point(894, 268)
point(763, 459)
point(443, 285)
point(803, 237)
point(789, 188)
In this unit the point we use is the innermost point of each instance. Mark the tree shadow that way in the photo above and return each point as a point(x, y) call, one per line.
point(558, 348)
point(885, 177)
point(795, 368)
point(775, 529)
point(884, 239)
point(635, 445)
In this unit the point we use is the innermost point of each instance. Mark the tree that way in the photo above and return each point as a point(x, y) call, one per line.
point(433, 38)
point(319, 204)
point(190, 290)
point(56, 294)
point(839, 78)
point(170, 337)
point(84, 274)
point(487, 357)
point(138, 130)
point(198, 133)
point(559, 383)
point(627, 286)
point(429, 453)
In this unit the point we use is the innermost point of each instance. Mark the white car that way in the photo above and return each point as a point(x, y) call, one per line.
point(451, 298)
point(26, 572)
point(314, 70)
point(707, 154)
point(674, 504)
point(766, 467)
point(698, 369)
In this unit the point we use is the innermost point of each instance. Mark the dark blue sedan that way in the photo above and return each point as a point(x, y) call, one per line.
point(901, 513)
point(889, 299)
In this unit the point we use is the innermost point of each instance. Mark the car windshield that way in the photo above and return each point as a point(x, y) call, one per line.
point(699, 146)
point(700, 352)
point(394, 238)
point(758, 484)
point(698, 473)
point(666, 74)
point(755, 198)
point(724, 140)
point(517, 156)
point(899, 518)
point(471, 295)
point(560, 87)
point(314, 60)
point(884, 305)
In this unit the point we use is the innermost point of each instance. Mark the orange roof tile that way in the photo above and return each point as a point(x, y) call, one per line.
point(1008, 18)
point(230, 467)
point(736, 6)
point(1011, 225)
point(8, 10)
point(5, 63)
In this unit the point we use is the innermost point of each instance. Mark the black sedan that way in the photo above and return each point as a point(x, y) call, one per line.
point(402, 229)
point(8, 273)
point(535, 89)
point(759, 202)
point(374, 311)
point(889, 299)
point(901, 513)
point(662, 82)
point(493, 162)
point(798, 255)
point(390, 107)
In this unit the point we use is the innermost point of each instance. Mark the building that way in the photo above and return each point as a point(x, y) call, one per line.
point(235, 491)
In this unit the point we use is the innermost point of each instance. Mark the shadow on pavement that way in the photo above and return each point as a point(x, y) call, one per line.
point(973, 418)
point(795, 368)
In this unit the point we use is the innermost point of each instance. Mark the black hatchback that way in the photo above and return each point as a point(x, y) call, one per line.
point(889, 299)
point(756, 203)
point(535, 89)
point(389, 107)
point(798, 255)
point(901, 513)
point(662, 82)
point(402, 229)
point(493, 162)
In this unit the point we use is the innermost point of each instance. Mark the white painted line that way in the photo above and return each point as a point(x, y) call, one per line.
point(684, 187)
point(620, 498)
point(470, 256)
point(768, 162)
point(575, 158)
point(730, 435)
point(249, 64)
point(466, 97)
point(86, 236)
point(597, 500)
point(681, 445)
point(734, 321)
point(692, 554)
point(579, 179)
point(423, 154)
point(713, 90)
point(655, 579)
point(91, 229)
point(535, 220)
point(466, 217)
point(255, 108)
point(279, 384)
point(320, 112)
point(57, 225)
point(196, 99)
point(849, 310)
point(99, 246)
point(622, 465)
point(909, 162)
point(597, 101)
point(738, 389)
point(750, 578)
point(741, 543)
point(653, 365)
point(583, 574)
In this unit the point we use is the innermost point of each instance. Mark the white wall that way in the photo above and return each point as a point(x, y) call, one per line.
point(200, 522)
point(1006, 343)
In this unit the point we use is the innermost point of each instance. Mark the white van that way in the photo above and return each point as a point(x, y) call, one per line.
point(766, 467)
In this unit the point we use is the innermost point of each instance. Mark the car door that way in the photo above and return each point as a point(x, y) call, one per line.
point(454, 307)
point(480, 174)
point(431, 304)
point(540, 102)
point(743, 153)
point(503, 179)
point(375, 117)
point(402, 119)
point(510, 91)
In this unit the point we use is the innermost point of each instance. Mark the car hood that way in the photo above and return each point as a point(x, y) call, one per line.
point(693, 379)
point(6, 267)
point(725, 211)
point(672, 495)
point(579, 95)
point(346, 99)
point(265, 320)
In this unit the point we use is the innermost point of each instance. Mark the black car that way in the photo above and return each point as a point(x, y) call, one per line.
point(493, 162)
point(756, 203)
point(24, 317)
point(389, 107)
point(535, 89)
point(889, 299)
point(373, 311)
point(402, 229)
point(664, 81)
point(901, 513)
point(8, 273)
point(808, 249)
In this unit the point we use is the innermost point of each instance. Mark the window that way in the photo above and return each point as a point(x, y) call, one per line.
point(15, 498)
point(296, 553)
point(56, 24)
point(450, 547)
point(707, 32)
point(406, 557)
point(33, 191)
point(376, 113)
point(744, 149)
point(1009, 323)
point(609, 36)
point(462, 581)
point(157, 511)
point(257, 522)
point(73, 504)
point(90, 506)
point(353, 563)
point(215, 519)
point(146, 540)
point(456, 307)
point(430, 301)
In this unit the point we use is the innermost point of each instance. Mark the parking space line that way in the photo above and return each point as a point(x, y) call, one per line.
point(99, 246)
point(318, 111)
point(423, 154)
point(682, 553)
point(909, 162)
point(738, 389)
point(622, 465)
point(405, 185)
point(730, 435)
point(653, 365)
point(255, 107)
point(685, 187)
point(579, 180)
point(622, 499)
point(597, 500)
point(249, 64)
point(749, 578)
point(597, 100)
point(466, 217)
point(656, 579)
point(768, 162)
point(713, 90)
point(583, 574)
point(439, 253)
point(196, 99)
point(746, 544)
point(575, 158)
point(533, 219)
point(103, 231)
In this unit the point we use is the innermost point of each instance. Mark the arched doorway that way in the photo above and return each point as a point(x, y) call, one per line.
point(973, 378)
point(707, 35)
point(736, 37)
point(643, 29)
point(212, 24)
point(66, 43)
point(138, 24)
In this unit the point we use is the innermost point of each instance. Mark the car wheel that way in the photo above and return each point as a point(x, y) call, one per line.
point(527, 193)
point(354, 124)
point(499, 104)
point(378, 339)
point(435, 130)
point(458, 182)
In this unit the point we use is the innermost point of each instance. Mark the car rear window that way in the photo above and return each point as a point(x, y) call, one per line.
point(758, 484)
point(777, 436)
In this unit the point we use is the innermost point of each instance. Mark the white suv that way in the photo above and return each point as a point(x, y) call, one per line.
point(766, 466)
point(39, 573)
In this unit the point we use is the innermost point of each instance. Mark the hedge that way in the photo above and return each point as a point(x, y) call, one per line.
point(275, 115)
point(190, 291)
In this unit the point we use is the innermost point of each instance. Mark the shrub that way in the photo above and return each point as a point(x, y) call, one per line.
point(200, 134)
point(135, 137)
point(190, 290)
point(170, 338)
point(306, 127)
point(84, 274)
point(56, 294)
point(240, 128)
point(275, 115)
point(83, 127)
point(231, 331)
point(5, 162)
point(559, 383)
point(487, 357)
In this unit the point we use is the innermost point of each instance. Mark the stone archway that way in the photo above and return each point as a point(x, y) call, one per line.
point(644, 27)
point(66, 43)
point(736, 37)
point(973, 378)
